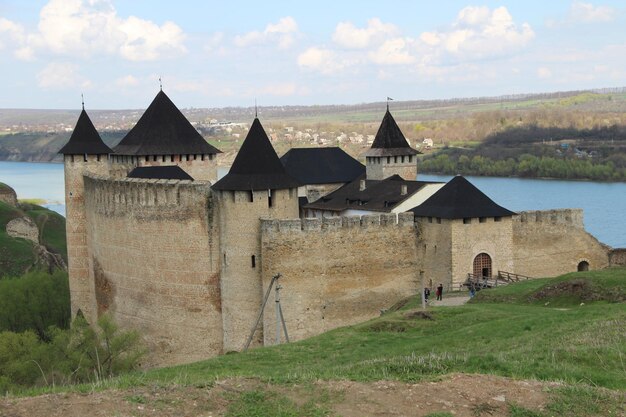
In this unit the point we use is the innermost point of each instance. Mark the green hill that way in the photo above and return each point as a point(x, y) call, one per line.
point(19, 255)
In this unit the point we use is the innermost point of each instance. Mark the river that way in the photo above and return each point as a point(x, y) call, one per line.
point(604, 203)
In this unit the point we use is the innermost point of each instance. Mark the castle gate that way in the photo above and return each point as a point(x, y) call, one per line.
point(482, 265)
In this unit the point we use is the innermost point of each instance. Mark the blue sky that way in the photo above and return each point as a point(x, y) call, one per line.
point(216, 54)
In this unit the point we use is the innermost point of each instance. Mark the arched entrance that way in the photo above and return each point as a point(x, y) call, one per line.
point(482, 265)
point(583, 266)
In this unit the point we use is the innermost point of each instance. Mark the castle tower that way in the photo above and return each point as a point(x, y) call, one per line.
point(84, 153)
point(390, 153)
point(164, 137)
point(257, 186)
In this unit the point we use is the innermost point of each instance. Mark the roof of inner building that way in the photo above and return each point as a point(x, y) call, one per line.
point(459, 199)
point(321, 165)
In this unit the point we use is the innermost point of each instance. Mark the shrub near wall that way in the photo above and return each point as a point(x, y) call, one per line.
point(35, 302)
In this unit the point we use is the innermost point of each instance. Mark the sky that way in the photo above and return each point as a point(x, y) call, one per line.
point(230, 53)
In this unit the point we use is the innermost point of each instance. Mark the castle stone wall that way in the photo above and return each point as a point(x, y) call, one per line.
point(553, 242)
point(152, 257)
point(471, 238)
point(80, 277)
point(240, 238)
point(434, 249)
point(377, 168)
point(337, 271)
point(617, 257)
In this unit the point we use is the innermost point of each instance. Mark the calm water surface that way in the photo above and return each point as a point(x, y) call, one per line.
point(604, 203)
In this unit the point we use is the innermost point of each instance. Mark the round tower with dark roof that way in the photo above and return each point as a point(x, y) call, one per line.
point(85, 153)
point(164, 137)
point(390, 153)
point(257, 186)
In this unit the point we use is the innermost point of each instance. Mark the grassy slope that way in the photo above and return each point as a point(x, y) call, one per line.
point(16, 255)
point(513, 338)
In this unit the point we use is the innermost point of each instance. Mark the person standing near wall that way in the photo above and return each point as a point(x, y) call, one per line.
point(439, 292)
point(426, 293)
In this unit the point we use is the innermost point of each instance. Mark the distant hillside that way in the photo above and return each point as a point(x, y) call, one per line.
point(21, 254)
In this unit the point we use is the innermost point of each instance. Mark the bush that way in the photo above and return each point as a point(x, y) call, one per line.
point(75, 355)
point(35, 302)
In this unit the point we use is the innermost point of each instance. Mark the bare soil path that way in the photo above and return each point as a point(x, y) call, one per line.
point(461, 395)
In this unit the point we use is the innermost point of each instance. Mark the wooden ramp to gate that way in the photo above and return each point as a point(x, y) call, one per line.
point(503, 278)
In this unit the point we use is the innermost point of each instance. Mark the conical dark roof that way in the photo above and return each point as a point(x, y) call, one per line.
point(256, 166)
point(389, 140)
point(163, 130)
point(460, 199)
point(321, 165)
point(85, 139)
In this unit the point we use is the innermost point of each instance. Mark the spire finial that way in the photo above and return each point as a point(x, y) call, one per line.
point(388, 100)
point(82, 100)
point(256, 110)
point(160, 83)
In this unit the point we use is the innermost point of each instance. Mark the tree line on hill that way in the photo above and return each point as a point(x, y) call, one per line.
point(545, 152)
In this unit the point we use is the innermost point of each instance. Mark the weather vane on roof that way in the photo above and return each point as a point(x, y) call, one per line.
point(256, 109)
point(388, 100)
point(82, 100)
point(160, 83)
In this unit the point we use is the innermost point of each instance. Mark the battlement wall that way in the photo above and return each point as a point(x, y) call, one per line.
point(269, 226)
point(553, 242)
point(153, 259)
point(338, 271)
point(569, 217)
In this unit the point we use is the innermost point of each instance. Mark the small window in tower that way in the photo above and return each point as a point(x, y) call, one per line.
point(388, 159)
point(467, 220)
point(482, 219)
point(202, 157)
point(71, 158)
point(224, 258)
point(430, 219)
point(497, 219)
point(85, 158)
point(402, 159)
point(195, 156)
point(438, 220)
point(253, 259)
point(395, 159)
point(163, 158)
point(98, 157)
point(154, 158)
point(269, 198)
point(410, 158)
point(251, 196)
point(171, 158)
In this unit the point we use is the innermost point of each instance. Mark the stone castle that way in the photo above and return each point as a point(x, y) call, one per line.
point(157, 241)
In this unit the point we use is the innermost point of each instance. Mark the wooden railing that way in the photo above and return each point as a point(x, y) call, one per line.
point(503, 278)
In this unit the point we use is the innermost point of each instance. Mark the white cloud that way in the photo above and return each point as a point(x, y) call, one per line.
point(282, 33)
point(60, 76)
point(10, 33)
point(478, 33)
point(349, 36)
point(127, 81)
point(89, 27)
point(321, 60)
point(392, 52)
point(588, 13)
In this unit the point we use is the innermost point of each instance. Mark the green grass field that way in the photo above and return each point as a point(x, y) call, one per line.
point(570, 329)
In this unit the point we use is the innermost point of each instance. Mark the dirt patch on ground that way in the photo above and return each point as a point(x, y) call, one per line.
point(580, 289)
point(458, 394)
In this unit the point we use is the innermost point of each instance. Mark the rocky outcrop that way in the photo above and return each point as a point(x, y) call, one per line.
point(8, 195)
point(25, 228)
